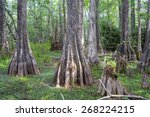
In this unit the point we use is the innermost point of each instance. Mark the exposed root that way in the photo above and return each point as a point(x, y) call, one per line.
point(121, 65)
point(126, 51)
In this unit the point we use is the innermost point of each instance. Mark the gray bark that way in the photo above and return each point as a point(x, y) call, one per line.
point(144, 63)
point(125, 49)
point(139, 48)
point(99, 45)
point(92, 42)
point(22, 62)
point(73, 68)
point(64, 23)
point(124, 20)
point(132, 17)
point(120, 18)
point(4, 46)
point(60, 26)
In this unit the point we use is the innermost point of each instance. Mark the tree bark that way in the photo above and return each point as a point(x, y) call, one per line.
point(4, 46)
point(132, 17)
point(126, 51)
point(144, 63)
point(64, 13)
point(22, 62)
point(92, 42)
point(120, 18)
point(139, 48)
point(73, 68)
point(109, 83)
point(99, 45)
point(125, 12)
point(60, 26)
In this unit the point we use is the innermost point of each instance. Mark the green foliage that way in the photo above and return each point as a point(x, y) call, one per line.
point(110, 35)
point(134, 39)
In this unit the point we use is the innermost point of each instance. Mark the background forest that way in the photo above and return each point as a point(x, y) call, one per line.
point(74, 49)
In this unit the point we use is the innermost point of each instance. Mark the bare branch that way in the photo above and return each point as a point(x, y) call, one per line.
point(123, 96)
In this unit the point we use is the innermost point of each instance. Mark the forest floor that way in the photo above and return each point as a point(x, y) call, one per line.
point(41, 86)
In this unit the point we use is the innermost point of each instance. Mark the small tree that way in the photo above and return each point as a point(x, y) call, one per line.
point(22, 62)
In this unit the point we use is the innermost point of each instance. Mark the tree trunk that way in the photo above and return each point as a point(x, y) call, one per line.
point(132, 17)
point(22, 62)
point(80, 8)
point(144, 63)
point(92, 42)
point(139, 48)
point(65, 26)
point(125, 49)
point(73, 69)
point(99, 45)
point(125, 12)
point(60, 26)
point(56, 43)
point(108, 11)
point(2, 12)
point(120, 18)
point(4, 46)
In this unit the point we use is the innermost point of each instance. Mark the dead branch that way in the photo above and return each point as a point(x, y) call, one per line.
point(123, 96)
point(105, 87)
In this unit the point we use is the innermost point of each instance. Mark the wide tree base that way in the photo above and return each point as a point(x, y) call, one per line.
point(22, 65)
point(121, 65)
point(145, 83)
point(126, 51)
point(109, 84)
point(55, 46)
point(144, 63)
point(72, 71)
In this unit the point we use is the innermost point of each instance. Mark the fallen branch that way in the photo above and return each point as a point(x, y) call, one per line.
point(105, 87)
point(123, 96)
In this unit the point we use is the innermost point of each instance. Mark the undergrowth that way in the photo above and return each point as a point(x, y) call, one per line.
point(42, 87)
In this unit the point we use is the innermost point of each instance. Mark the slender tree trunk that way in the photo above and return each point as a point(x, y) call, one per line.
point(22, 62)
point(92, 42)
point(2, 20)
point(108, 11)
point(126, 51)
point(120, 17)
point(65, 26)
point(99, 45)
point(139, 48)
point(4, 46)
point(144, 63)
point(48, 33)
point(60, 25)
point(73, 68)
point(125, 23)
point(81, 19)
point(132, 17)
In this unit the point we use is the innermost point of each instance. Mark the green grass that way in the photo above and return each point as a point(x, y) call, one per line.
point(41, 86)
